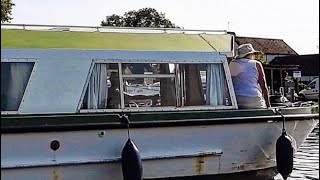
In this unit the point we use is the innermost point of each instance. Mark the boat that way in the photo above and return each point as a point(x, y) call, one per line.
point(65, 95)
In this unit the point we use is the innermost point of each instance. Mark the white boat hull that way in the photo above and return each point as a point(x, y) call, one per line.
point(165, 152)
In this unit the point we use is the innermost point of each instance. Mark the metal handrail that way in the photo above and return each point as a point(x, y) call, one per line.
point(98, 28)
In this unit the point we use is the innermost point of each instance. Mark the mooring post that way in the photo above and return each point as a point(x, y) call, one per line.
point(292, 91)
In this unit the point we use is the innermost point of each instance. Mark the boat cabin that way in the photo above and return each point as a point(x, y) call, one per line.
point(63, 80)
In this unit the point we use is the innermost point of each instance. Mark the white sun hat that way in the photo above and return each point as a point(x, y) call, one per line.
point(245, 49)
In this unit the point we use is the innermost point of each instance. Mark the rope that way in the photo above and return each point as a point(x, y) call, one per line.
point(283, 120)
point(128, 129)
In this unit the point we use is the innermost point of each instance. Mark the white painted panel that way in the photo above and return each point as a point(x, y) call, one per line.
point(124, 56)
point(55, 87)
point(240, 147)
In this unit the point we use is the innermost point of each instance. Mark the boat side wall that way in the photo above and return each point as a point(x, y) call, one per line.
point(165, 152)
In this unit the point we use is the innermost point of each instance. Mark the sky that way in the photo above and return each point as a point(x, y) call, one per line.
point(294, 21)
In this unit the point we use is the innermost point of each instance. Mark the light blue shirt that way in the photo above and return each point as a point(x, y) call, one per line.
point(245, 75)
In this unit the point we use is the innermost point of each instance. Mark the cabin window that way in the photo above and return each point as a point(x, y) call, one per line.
point(204, 84)
point(103, 88)
point(136, 85)
point(14, 80)
point(148, 85)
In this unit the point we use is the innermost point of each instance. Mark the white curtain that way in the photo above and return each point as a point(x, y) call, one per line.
point(216, 85)
point(98, 88)
point(14, 79)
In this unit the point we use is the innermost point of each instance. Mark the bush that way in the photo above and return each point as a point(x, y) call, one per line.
point(301, 86)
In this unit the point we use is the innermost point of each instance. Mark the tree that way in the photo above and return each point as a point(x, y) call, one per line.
point(113, 20)
point(145, 17)
point(6, 7)
point(261, 57)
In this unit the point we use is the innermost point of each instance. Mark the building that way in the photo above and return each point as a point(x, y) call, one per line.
point(270, 47)
point(308, 65)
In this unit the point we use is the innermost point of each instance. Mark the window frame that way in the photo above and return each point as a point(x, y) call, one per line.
point(161, 76)
point(21, 60)
point(178, 107)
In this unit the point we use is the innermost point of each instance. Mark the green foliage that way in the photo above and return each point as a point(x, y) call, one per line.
point(145, 17)
point(113, 20)
point(260, 57)
point(301, 86)
point(6, 7)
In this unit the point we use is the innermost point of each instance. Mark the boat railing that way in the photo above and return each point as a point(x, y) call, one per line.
point(50, 27)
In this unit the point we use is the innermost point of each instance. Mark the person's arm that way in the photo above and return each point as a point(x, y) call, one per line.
point(263, 84)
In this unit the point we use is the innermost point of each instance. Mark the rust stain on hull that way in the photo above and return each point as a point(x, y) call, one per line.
point(200, 164)
point(55, 175)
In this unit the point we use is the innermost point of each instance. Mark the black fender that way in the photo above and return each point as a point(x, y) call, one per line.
point(131, 162)
point(284, 155)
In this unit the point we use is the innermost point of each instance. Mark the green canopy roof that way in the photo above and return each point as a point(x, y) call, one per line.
point(115, 41)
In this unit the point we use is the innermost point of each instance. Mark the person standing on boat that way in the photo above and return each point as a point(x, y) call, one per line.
point(249, 79)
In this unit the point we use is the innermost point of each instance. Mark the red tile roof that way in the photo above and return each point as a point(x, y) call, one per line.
point(267, 46)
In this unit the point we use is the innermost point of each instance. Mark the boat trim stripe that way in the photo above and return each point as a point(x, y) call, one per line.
point(118, 159)
point(150, 124)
